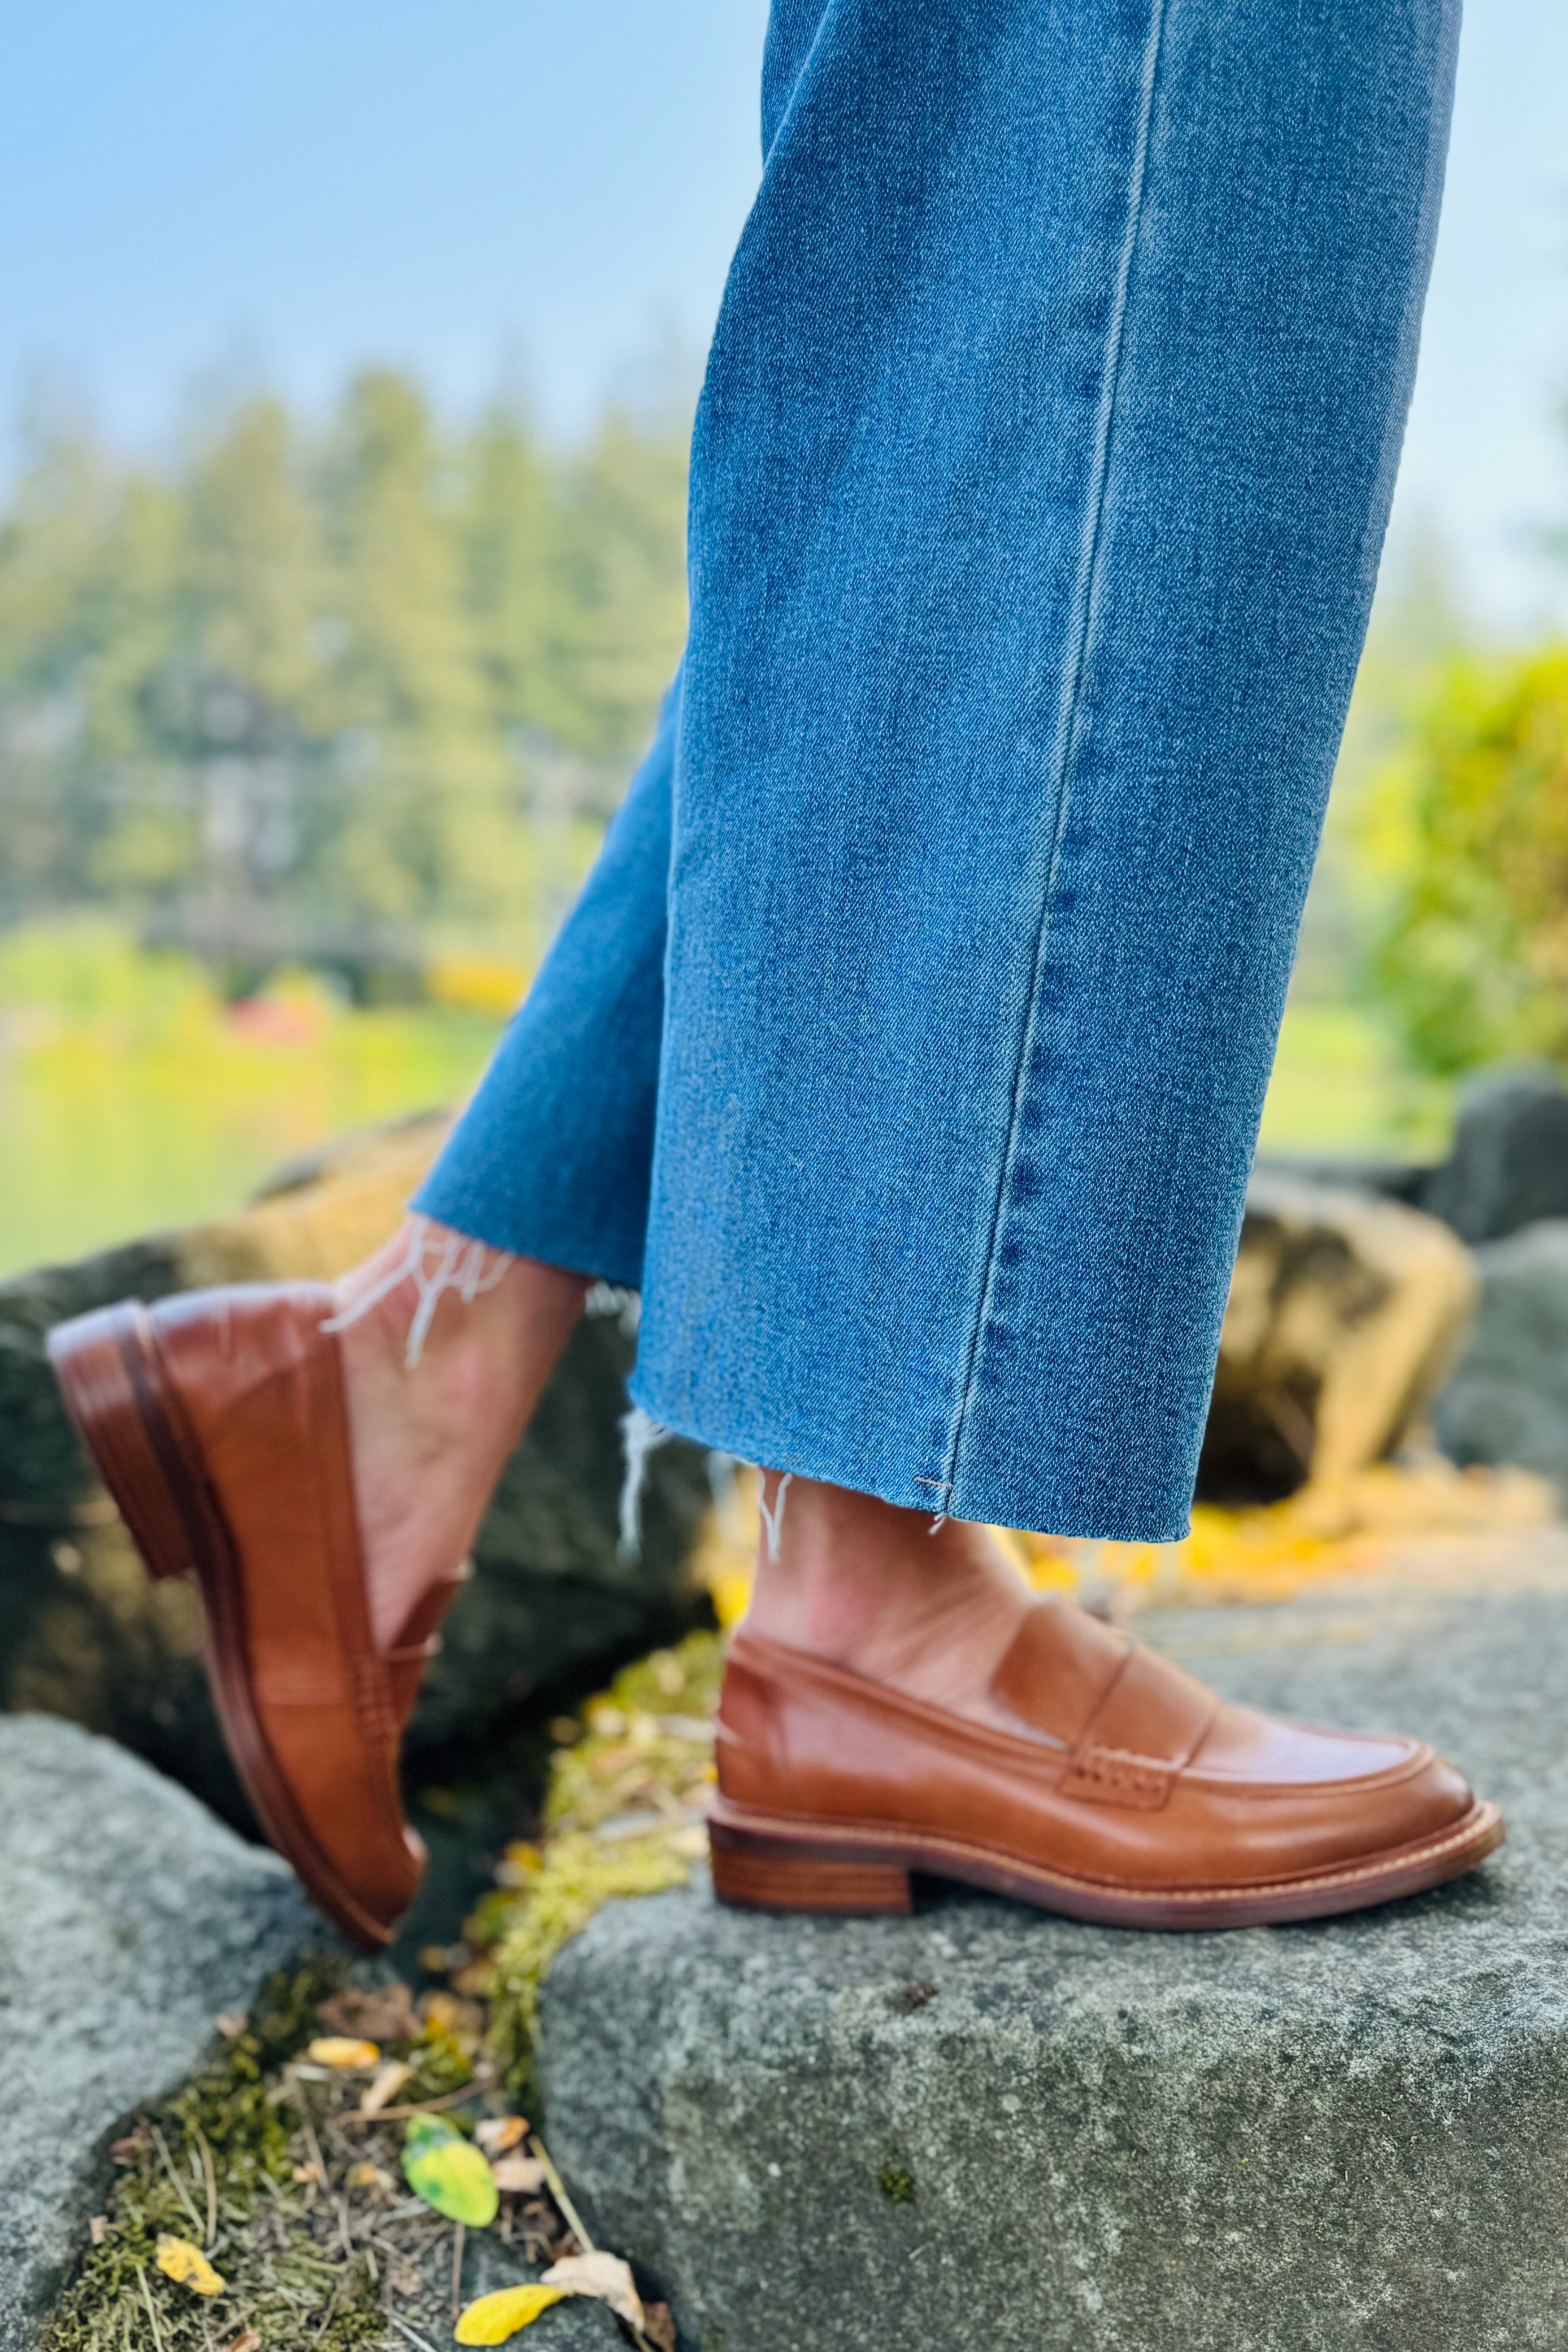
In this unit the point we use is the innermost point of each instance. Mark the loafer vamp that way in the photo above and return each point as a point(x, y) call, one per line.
point(307, 1707)
point(1212, 1796)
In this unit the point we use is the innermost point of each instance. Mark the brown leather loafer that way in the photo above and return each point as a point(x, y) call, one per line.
point(216, 1422)
point(1127, 1793)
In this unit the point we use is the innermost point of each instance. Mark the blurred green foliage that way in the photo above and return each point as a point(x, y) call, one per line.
point(293, 691)
point(1473, 961)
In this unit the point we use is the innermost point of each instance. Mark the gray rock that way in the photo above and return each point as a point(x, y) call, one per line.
point(129, 1918)
point(984, 2127)
point(1508, 1401)
point(1509, 1167)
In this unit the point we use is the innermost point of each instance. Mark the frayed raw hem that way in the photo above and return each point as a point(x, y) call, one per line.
point(598, 1259)
point(977, 1505)
point(460, 1272)
point(640, 1436)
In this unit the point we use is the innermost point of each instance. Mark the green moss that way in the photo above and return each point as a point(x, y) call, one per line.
point(896, 2185)
point(225, 2150)
point(643, 1755)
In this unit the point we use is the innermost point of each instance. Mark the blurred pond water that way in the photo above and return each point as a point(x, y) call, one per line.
point(132, 1098)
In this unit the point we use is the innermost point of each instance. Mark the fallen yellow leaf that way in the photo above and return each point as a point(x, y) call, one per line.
point(187, 2266)
point(494, 2318)
point(343, 2050)
point(604, 2276)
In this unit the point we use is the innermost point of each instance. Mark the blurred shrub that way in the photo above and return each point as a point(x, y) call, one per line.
point(1473, 964)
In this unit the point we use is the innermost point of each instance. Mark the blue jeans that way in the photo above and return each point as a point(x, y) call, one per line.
point(908, 1045)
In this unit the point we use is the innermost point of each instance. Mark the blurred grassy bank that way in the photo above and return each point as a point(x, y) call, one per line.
point(132, 1096)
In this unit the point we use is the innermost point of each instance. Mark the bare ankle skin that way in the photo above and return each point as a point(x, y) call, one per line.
point(428, 1440)
point(867, 1585)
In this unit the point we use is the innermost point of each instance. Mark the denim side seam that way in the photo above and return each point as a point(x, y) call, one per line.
point(1067, 721)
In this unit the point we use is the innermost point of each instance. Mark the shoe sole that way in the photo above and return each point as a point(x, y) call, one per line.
point(761, 1861)
point(129, 1418)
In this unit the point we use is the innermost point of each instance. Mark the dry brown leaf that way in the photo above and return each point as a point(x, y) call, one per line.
point(98, 2228)
point(342, 2052)
point(310, 2176)
point(366, 2175)
point(604, 2276)
point(496, 2134)
point(231, 2023)
point(248, 2340)
point(658, 2325)
point(383, 2014)
point(519, 2175)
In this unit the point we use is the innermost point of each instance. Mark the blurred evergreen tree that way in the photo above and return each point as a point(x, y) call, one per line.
point(284, 687)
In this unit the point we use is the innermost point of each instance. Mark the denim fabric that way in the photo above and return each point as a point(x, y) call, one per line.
point(1039, 485)
point(552, 1157)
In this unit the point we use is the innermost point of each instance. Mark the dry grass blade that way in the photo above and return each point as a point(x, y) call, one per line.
point(180, 2190)
point(206, 2156)
point(557, 2189)
point(423, 2107)
point(151, 2309)
point(412, 2333)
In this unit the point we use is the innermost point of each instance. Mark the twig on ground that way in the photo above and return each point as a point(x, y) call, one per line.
point(423, 2107)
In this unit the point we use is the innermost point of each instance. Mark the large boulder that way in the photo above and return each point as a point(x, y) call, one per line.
point(981, 2126)
point(84, 1634)
point(129, 1920)
point(1508, 1401)
point(1346, 1312)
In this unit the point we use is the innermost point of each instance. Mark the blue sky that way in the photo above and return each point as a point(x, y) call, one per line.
point(553, 190)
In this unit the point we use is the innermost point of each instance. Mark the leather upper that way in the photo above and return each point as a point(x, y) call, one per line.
point(1122, 1767)
point(258, 1386)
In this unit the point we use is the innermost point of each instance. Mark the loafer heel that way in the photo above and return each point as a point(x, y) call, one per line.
point(776, 1874)
point(109, 1388)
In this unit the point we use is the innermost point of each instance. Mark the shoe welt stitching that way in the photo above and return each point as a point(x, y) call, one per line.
point(803, 1831)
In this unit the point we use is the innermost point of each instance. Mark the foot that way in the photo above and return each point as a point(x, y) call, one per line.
point(428, 1439)
point(927, 1606)
point(898, 1701)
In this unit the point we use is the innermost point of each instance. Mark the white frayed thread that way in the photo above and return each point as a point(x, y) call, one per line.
point(937, 1525)
point(605, 1299)
point(773, 1521)
point(640, 1436)
point(459, 1268)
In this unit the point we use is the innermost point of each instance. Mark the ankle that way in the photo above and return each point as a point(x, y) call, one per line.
point(927, 1606)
